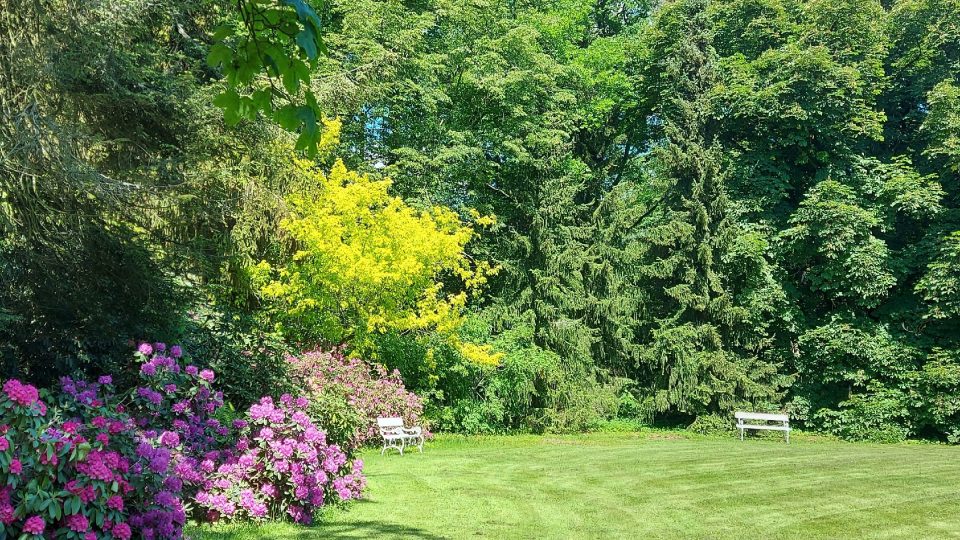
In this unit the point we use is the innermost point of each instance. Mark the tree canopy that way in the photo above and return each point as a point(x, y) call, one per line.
point(698, 205)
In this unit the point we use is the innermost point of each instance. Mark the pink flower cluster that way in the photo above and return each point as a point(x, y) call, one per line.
point(282, 461)
point(368, 389)
point(20, 393)
point(87, 450)
point(34, 525)
point(24, 395)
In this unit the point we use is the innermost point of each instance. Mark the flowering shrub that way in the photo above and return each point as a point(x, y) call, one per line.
point(283, 466)
point(351, 394)
point(84, 472)
point(92, 469)
point(176, 405)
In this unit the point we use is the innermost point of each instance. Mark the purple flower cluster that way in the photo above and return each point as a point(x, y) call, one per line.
point(368, 389)
point(34, 525)
point(176, 406)
point(282, 461)
point(105, 475)
point(83, 392)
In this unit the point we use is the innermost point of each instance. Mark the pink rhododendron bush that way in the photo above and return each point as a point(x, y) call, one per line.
point(84, 462)
point(283, 466)
point(349, 394)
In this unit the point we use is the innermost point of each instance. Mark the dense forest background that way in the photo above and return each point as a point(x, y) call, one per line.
point(697, 205)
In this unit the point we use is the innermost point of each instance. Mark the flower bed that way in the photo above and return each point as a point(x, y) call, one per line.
point(97, 464)
point(87, 474)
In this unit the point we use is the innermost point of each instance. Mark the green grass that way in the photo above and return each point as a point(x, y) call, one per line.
point(645, 486)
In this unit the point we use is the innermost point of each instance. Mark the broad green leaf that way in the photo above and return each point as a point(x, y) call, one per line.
point(219, 54)
point(286, 117)
point(307, 41)
point(224, 31)
point(229, 101)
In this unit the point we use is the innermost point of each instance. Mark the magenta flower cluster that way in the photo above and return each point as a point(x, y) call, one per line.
point(282, 465)
point(122, 466)
point(21, 394)
point(368, 389)
point(78, 473)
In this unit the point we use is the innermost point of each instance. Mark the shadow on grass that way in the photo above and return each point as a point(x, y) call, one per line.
point(369, 529)
point(354, 529)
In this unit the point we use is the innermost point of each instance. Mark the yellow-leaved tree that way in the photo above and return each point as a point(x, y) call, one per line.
point(365, 262)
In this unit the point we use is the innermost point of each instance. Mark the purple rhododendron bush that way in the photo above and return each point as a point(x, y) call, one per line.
point(86, 462)
point(177, 404)
point(351, 394)
point(84, 470)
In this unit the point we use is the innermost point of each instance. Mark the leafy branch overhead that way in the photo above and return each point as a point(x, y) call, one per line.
point(267, 54)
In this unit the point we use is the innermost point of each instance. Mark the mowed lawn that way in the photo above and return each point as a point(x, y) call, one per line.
point(647, 485)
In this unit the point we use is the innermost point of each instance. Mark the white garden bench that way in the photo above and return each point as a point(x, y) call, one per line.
point(395, 435)
point(761, 422)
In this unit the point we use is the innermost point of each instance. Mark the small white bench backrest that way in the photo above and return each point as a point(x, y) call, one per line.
point(741, 415)
point(390, 425)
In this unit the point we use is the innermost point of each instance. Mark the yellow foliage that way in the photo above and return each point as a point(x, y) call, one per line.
point(330, 137)
point(366, 262)
point(480, 354)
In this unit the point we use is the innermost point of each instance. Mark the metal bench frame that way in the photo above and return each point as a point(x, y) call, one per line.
point(395, 435)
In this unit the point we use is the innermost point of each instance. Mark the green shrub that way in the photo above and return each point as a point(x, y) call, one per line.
point(530, 391)
point(249, 362)
point(581, 402)
point(954, 437)
point(877, 417)
point(620, 425)
point(629, 407)
point(712, 424)
point(340, 419)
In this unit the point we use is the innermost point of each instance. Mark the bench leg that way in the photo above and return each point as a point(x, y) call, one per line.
point(741, 434)
point(788, 436)
point(393, 443)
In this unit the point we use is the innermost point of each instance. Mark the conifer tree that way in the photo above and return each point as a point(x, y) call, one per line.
point(692, 360)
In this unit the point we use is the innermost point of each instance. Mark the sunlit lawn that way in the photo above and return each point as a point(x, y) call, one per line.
point(643, 486)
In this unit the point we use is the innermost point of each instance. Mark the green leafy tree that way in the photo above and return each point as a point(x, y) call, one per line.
point(267, 54)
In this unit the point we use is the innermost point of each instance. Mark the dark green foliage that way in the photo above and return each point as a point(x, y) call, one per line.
point(90, 115)
point(65, 309)
point(701, 354)
point(712, 424)
point(532, 389)
point(248, 361)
